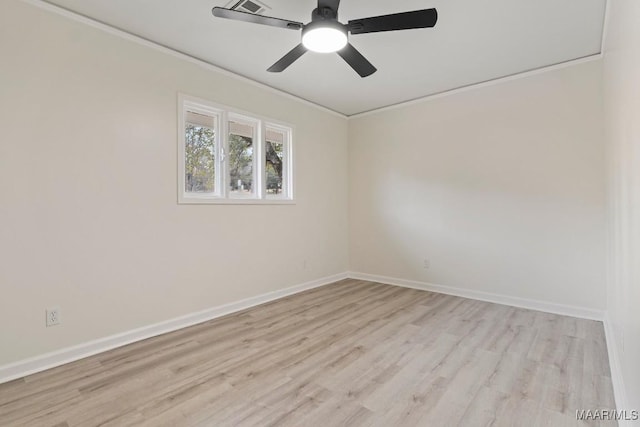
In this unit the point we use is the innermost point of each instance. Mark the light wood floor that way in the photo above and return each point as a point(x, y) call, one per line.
point(352, 353)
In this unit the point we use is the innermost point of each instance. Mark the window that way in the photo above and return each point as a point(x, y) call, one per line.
point(200, 152)
point(276, 161)
point(241, 159)
point(226, 156)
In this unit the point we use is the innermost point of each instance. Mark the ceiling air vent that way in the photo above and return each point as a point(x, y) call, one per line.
point(250, 6)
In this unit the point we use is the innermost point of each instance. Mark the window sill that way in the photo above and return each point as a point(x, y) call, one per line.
point(211, 201)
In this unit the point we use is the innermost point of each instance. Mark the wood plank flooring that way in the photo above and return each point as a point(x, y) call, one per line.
point(353, 353)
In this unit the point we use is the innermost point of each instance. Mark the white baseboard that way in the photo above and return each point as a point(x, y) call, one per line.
point(548, 307)
point(619, 391)
point(66, 355)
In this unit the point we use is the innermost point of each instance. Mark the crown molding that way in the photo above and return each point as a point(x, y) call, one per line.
point(480, 85)
point(118, 32)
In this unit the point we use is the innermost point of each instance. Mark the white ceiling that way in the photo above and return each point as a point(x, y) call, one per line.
point(473, 41)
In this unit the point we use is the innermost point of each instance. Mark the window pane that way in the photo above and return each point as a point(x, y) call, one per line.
point(199, 153)
point(241, 150)
point(274, 162)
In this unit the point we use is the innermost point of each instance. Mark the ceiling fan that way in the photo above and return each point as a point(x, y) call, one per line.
point(326, 34)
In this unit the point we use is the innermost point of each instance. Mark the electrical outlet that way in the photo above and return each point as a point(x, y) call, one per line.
point(53, 316)
point(426, 264)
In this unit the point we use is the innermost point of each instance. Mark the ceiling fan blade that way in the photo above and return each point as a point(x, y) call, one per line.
point(357, 61)
point(288, 59)
point(331, 4)
point(398, 21)
point(221, 12)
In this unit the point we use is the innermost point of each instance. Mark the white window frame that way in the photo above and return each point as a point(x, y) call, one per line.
point(217, 115)
point(222, 115)
point(287, 159)
point(255, 124)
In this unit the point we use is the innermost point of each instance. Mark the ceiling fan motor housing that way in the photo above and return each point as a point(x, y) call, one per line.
point(324, 13)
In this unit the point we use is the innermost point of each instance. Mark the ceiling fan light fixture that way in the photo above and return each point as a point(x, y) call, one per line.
point(324, 36)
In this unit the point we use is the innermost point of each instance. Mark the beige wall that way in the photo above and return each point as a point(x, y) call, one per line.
point(622, 109)
point(88, 189)
point(500, 187)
